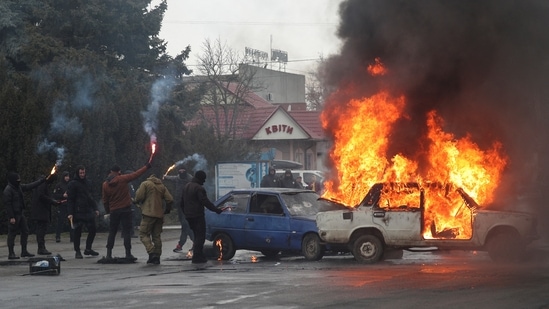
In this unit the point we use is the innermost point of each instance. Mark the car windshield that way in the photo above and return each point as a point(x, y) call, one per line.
point(308, 204)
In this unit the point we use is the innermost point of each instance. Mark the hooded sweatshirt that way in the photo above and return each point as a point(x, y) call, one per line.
point(116, 191)
point(150, 195)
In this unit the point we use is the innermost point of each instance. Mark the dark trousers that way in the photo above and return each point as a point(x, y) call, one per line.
point(78, 226)
point(41, 227)
point(20, 226)
point(198, 226)
point(62, 221)
point(120, 216)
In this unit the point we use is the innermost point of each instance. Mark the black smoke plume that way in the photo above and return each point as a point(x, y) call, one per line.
point(482, 65)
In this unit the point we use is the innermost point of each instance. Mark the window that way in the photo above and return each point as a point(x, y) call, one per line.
point(266, 204)
point(236, 203)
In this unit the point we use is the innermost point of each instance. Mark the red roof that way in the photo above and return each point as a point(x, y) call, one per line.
point(254, 114)
point(310, 122)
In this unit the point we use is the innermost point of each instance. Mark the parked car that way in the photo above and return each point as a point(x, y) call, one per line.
point(306, 175)
point(269, 220)
point(394, 216)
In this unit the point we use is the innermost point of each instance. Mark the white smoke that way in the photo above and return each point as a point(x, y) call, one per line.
point(45, 146)
point(62, 123)
point(201, 162)
point(160, 92)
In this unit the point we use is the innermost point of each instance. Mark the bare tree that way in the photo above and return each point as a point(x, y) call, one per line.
point(228, 85)
point(315, 90)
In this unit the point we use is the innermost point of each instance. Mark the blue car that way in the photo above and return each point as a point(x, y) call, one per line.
point(268, 220)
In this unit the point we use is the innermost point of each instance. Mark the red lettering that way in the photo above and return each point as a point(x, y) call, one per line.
point(275, 128)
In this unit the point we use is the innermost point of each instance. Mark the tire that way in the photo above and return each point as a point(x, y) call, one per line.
point(227, 245)
point(505, 247)
point(311, 248)
point(270, 254)
point(367, 249)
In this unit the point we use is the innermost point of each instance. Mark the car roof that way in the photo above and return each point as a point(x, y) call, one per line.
point(270, 190)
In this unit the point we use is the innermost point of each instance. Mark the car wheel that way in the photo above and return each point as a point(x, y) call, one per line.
point(227, 246)
point(269, 253)
point(505, 247)
point(367, 249)
point(311, 248)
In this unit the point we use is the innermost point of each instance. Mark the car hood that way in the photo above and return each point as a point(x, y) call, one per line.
point(305, 218)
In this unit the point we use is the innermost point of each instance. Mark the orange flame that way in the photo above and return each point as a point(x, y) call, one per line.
point(153, 150)
point(377, 68)
point(361, 130)
point(169, 169)
point(53, 170)
point(219, 245)
point(254, 259)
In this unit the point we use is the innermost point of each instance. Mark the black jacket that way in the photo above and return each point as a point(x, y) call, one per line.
point(41, 203)
point(194, 199)
point(60, 188)
point(79, 200)
point(270, 180)
point(13, 197)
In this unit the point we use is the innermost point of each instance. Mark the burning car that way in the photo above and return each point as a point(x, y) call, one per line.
point(396, 215)
point(268, 220)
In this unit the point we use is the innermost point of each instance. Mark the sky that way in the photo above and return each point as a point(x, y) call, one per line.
point(305, 29)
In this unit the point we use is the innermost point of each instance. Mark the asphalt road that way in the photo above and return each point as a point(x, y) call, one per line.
point(455, 279)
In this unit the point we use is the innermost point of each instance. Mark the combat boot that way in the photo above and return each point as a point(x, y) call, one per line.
point(43, 251)
point(12, 255)
point(129, 256)
point(25, 253)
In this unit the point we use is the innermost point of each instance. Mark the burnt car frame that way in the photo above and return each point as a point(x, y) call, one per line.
point(377, 225)
point(269, 220)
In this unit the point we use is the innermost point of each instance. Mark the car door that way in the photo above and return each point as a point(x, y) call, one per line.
point(232, 220)
point(267, 224)
point(398, 213)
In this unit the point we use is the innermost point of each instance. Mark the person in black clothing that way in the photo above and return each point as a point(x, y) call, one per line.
point(288, 181)
point(193, 201)
point(270, 180)
point(60, 194)
point(180, 181)
point(15, 206)
point(82, 211)
point(41, 213)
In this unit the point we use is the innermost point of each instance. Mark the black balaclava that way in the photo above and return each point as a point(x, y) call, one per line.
point(14, 179)
point(200, 176)
point(182, 172)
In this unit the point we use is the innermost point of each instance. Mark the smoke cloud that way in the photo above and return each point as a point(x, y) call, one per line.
point(160, 92)
point(482, 65)
point(200, 162)
point(45, 146)
point(62, 123)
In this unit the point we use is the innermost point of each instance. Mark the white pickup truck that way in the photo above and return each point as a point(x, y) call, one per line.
point(409, 215)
